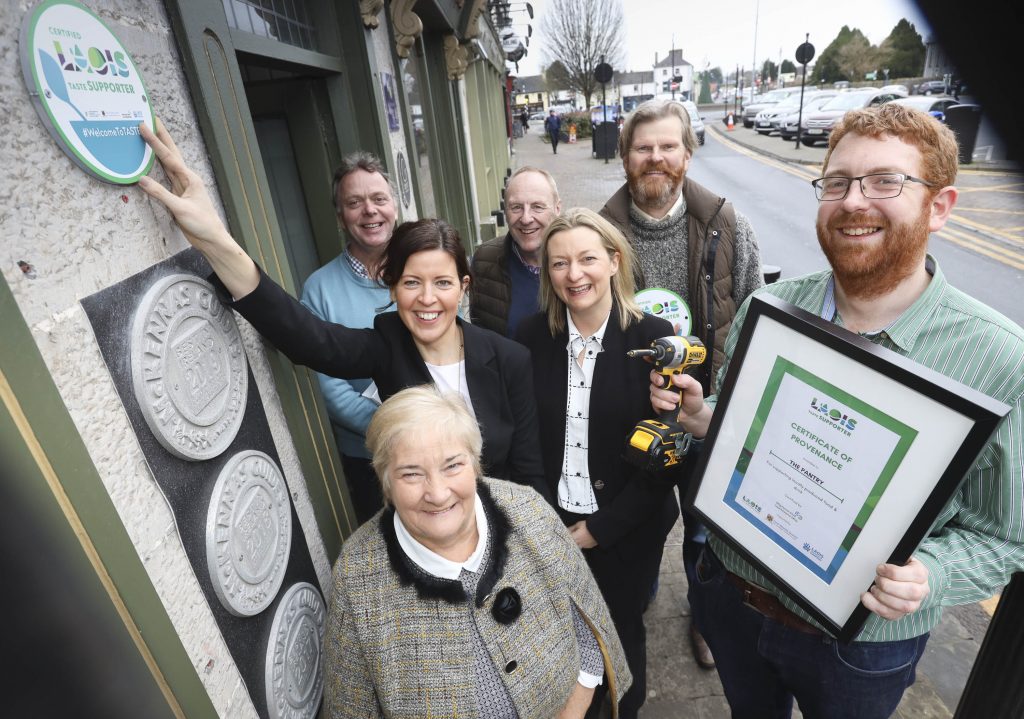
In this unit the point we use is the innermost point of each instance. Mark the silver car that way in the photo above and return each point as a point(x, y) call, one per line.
point(760, 102)
point(695, 120)
point(769, 120)
point(818, 125)
point(786, 123)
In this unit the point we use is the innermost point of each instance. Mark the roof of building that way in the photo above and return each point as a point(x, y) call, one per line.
point(530, 83)
point(673, 59)
point(634, 78)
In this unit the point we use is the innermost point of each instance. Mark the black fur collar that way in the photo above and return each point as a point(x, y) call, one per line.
point(450, 590)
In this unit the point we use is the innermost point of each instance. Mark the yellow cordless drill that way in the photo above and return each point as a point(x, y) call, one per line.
point(657, 444)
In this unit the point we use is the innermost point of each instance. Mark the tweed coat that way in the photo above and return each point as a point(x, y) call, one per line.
point(498, 372)
point(399, 641)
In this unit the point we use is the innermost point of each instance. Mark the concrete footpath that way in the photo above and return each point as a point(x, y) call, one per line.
point(677, 687)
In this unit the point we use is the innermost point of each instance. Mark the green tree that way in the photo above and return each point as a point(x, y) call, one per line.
point(705, 88)
point(857, 57)
point(903, 51)
point(828, 68)
point(787, 66)
point(715, 74)
point(769, 71)
point(556, 77)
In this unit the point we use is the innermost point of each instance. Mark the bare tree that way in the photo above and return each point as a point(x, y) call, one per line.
point(577, 34)
point(857, 57)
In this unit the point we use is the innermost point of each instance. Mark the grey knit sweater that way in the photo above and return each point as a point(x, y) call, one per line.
point(658, 241)
point(661, 251)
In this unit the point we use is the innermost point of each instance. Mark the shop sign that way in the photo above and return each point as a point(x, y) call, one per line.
point(87, 90)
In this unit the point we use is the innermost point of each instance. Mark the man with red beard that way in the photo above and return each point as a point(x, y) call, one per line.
point(688, 241)
point(887, 184)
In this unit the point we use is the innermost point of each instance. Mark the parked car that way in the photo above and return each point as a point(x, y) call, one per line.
point(695, 120)
point(898, 89)
point(760, 102)
point(769, 120)
point(538, 117)
point(934, 105)
point(930, 87)
point(816, 126)
point(786, 123)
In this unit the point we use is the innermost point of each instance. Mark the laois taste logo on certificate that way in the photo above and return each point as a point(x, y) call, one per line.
point(87, 90)
point(815, 462)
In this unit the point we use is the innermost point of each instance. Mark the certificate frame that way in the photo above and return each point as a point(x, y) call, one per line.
point(803, 401)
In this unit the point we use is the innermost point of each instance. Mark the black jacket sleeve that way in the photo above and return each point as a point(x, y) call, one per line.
point(304, 338)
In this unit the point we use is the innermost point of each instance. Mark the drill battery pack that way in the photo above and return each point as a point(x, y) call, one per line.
point(655, 446)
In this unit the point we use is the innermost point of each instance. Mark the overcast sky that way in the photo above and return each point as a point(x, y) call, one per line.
point(722, 33)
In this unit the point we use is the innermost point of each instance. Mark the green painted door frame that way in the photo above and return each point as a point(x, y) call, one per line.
point(208, 48)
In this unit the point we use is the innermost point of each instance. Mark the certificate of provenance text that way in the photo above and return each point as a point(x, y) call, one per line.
point(815, 462)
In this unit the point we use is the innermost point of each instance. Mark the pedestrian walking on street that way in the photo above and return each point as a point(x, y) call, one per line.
point(553, 126)
point(524, 119)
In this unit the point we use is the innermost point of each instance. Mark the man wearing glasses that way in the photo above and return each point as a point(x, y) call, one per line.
point(506, 270)
point(887, 184)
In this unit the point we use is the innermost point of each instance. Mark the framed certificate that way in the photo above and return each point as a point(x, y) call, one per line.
point(828, 455)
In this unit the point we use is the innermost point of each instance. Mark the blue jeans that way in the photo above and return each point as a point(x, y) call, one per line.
point(764, 665)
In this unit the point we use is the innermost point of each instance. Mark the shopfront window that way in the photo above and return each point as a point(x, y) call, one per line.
point(287, 21)
point(417, 94)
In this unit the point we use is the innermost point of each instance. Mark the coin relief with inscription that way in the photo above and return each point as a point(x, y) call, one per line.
point(189, 370)
point(294, 681)
point(248, 533)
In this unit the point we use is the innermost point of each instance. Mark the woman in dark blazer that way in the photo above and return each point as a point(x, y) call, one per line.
point(423, 342)
point(617, 514)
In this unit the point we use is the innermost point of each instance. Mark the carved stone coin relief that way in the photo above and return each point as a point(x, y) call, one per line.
point(294, 679)
point(248, 533)
point(188, 367)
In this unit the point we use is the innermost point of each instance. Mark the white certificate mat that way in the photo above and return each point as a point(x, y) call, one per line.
point(829, 455)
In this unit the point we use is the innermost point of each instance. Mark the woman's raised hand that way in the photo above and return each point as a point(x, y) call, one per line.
point(190, 204)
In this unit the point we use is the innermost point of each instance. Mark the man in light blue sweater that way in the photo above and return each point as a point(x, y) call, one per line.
point(346, 291)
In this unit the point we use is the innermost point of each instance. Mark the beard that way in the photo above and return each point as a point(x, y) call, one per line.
point(654, 191)
point(866, 270)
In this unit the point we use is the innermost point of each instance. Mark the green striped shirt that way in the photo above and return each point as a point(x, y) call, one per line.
point(977, 541)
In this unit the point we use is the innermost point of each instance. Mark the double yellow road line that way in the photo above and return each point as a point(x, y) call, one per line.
point(975, 243)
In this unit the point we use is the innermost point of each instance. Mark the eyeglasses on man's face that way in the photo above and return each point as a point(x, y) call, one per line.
point(877, 186)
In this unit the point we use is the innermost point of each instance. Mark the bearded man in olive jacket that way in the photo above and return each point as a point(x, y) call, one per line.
point(689, 241)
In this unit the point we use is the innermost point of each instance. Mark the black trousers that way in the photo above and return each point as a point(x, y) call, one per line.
point(625, 574)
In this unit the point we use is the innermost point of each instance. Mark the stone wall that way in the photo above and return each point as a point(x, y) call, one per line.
point(81, 235)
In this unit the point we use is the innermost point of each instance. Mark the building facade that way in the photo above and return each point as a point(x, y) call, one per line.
point(264, 99)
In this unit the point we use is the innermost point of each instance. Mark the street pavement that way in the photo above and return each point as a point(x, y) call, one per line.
point(677, 687)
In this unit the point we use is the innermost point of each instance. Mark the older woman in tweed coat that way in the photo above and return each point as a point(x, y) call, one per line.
point(466, 596)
